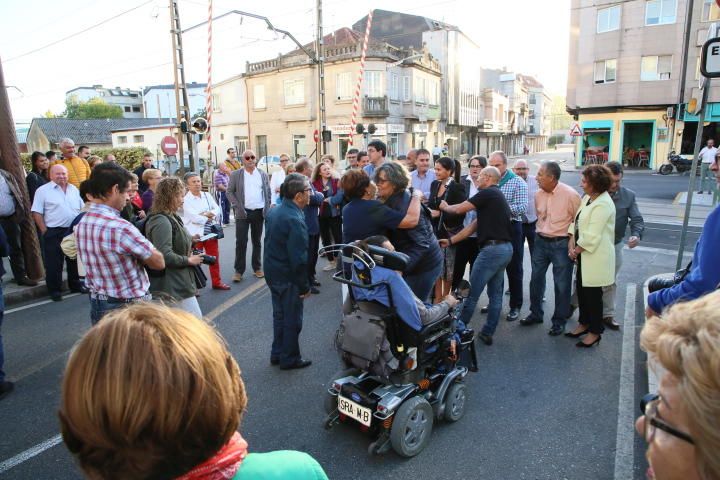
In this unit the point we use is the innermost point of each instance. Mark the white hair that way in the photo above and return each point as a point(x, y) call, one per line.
point(66, 141)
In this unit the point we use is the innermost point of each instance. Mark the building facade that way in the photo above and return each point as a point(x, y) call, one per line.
point(625, 77)
point(159, 100)
point(229, 122)
point(129, 100)
point(400, 97)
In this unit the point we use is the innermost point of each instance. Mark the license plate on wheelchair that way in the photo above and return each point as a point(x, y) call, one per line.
point(354, 411)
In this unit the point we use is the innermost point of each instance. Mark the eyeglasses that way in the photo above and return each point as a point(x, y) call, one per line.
point(476, 165)
point(250, 157)
point(283, 160)
point(308, 190)
point(649, 408)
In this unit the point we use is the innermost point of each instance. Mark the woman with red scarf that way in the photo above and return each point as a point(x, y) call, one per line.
point(152, 392)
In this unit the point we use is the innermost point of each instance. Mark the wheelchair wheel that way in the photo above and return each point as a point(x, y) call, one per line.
point(455, 401)
point(330, 401)
point(411, 428)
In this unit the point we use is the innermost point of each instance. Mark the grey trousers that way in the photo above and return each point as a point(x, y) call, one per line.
point(609, 291)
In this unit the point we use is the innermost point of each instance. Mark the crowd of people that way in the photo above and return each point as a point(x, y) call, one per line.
point(126, 238)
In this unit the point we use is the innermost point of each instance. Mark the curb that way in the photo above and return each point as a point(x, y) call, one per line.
point(29, 293)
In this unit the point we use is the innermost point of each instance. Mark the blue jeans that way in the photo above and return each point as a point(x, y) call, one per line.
point(224, 203)
point(489, 269)
point(555, 253)
point(287, 322)
point(2, 352)
point(98, 308)
point(422, 283)
point(515, 267)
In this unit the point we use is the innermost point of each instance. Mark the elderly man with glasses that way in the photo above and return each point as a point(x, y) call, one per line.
point(249, 194)
point(278, 177)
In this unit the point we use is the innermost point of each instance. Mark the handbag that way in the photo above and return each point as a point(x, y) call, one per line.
point(212, 227)
point(659, 282)
point(200, 277)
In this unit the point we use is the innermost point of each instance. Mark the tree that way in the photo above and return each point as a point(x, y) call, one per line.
point(561, 120)
point(49, 114)
point(93, 108)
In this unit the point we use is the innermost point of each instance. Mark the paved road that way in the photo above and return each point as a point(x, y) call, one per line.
point(538, 409)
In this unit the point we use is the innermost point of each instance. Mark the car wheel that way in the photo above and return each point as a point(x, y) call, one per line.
point(412, 426)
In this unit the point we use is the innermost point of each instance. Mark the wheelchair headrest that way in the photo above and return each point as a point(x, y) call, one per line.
point(385, 258)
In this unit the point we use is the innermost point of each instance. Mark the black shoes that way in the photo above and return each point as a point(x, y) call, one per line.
point(513, 315)
point(530, 320)
point(315, 283)
point(274, 361)
point(582, 344)
point(486, 339)
point(56, 297)
point(579, 334)
point(611, 323)
point(314, 290)
point(6, 388)
point(556, 330)
point(27, 282)
point(299, 364)
point(484, 309)
point(84, 290)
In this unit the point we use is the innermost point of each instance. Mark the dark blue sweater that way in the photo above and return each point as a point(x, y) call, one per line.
point(704, 275)
point(286, 246)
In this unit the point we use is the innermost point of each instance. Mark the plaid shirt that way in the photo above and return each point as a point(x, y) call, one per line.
point(221, 178)
point(516, 194)
point(112, 250)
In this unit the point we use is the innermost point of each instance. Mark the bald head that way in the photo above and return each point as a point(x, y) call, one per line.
point(489, 176)
point(521, 169)
point(59, 175)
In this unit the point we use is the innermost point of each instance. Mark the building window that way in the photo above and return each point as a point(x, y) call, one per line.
point(711, 11)
point(433, 92)
point(138, 138)
point(407, 96)
point(608, 19)
point(122, 140)
point(420, 90)
point(605, 71)
point(660, 12)
point(259, 97)
point(128, 109)
point(215, 99)
point(374, 84)
point(343, 86)
point(299, 146)
point(222, 136)
point(394, 86)
point(655, 67)
point(294, 92)
point(261, 144)
point(136, 109)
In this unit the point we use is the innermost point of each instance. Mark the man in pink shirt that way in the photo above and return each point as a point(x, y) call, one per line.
point(556, 204)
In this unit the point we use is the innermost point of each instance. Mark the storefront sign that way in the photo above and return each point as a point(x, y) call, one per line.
point(395, 128)
point(420, 128)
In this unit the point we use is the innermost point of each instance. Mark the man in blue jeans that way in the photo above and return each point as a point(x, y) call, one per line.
point(556, 204)
point(495, 250)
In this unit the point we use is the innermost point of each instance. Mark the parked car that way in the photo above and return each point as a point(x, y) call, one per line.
point(270, 164)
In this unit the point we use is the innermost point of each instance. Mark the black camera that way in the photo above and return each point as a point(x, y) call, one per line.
point(206, 259)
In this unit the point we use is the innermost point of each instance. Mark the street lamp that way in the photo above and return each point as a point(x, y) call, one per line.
point(412, 57)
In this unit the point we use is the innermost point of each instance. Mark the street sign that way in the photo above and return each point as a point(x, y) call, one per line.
point(710, 63)
point(575, 131)
point(316, 136)
point(169, 145)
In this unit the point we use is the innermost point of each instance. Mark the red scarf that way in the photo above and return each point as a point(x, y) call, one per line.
point(223, 465)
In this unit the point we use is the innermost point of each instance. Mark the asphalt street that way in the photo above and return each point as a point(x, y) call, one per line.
point(538, 409)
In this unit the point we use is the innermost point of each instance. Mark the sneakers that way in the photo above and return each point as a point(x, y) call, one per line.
point(530, 320)
point(486, 339)
point(556, 330)
point(259, 274)
point(237, 277)
point(6, 388)
point(331, 266)
point(513, 314)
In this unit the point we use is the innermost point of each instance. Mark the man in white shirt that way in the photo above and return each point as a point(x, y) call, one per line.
point(707, 158)
point(529, 218)
point(278, 178)
point(198, 209)
point(423, 176)
point(249, 193)
point(55, 206)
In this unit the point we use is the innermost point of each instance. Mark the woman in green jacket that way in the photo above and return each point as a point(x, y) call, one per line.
point(152, 392)
point(591, 246)
point(164, 228)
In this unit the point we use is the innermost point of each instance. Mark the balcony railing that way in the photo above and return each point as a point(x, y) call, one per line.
point(375, 106)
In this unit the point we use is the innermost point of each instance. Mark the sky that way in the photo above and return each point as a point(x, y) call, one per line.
point(127, 43)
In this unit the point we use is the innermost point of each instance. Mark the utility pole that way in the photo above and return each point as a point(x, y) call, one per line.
point(10, 162)
point(321, 80)
point(182, 110)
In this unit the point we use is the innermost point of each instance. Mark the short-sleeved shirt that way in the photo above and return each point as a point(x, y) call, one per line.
point(556, 210)
point(112, 250)
point(493, 215)
point(365, 218)
point(57, 207)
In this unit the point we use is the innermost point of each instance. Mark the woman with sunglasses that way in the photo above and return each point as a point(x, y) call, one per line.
point(681, 423)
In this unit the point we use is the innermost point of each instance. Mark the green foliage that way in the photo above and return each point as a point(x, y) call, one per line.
point(25, 160)
point(561, 120)
point(555, 139)
point(130, 158)
point(93, 108)
point(49, 114)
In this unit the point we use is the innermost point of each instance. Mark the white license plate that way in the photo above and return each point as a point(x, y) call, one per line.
point(354, 411)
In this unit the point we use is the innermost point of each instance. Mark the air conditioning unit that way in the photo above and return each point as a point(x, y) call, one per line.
point(670, 112)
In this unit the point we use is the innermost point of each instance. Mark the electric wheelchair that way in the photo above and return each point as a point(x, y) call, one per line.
point(396, 379)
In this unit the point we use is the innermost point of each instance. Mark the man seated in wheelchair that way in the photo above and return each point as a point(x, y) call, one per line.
point(379, 347)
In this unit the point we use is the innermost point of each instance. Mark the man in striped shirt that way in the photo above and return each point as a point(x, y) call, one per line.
point(516, 193)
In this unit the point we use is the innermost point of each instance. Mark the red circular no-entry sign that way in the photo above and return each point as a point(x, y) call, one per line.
point(169, 145)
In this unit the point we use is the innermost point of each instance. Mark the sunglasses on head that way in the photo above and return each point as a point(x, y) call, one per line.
point(249, 157)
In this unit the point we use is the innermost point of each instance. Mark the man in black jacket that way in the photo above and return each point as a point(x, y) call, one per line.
point(285, 260)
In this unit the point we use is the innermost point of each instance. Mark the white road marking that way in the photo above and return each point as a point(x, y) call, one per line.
point(37, 304)
point(227, 304)
point(625, 439)
point(29, 453)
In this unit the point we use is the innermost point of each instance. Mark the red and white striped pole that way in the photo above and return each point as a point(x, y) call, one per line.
point(208, 89)
point(361, 74)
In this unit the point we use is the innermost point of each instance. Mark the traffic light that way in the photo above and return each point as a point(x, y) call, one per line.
point(371, 128)
point(359, 128)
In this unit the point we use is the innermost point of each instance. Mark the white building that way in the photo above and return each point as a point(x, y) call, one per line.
point(129, 100)
point(160, 100)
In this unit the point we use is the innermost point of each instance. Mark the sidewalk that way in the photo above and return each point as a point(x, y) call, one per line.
point(14, 293)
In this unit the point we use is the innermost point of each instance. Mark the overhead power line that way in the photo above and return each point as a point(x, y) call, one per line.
point(102, 22)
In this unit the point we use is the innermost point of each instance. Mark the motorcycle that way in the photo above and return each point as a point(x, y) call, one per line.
point(677, 162)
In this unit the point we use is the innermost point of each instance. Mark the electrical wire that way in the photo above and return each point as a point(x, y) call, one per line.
point(102, 22)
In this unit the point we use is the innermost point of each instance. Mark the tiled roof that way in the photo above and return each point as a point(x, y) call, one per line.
point(90, 131)
point(172, 86)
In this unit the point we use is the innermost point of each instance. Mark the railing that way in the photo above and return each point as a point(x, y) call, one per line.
point(375, 106)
